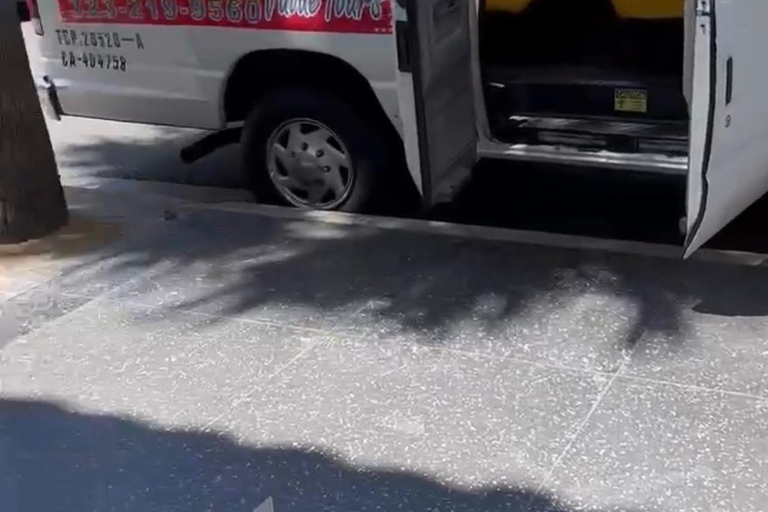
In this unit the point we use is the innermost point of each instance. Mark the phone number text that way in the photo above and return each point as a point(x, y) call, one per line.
point(361, 16)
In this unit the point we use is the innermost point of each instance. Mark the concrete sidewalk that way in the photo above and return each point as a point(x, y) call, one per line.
point(199, 359)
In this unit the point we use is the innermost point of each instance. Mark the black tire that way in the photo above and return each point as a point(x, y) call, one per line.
point(367, 148)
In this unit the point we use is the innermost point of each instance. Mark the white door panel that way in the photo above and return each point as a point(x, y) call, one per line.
point(125, 71)
point(441, 63)
point(688, 55)
point(729, 128)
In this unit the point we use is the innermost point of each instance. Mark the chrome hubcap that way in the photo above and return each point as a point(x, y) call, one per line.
point(309, 165)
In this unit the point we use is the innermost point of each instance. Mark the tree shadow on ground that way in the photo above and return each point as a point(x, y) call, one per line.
point(436, 289)
point(404, 283)
point(58, 460)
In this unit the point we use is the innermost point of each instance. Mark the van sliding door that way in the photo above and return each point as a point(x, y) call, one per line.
point(729, 115)
point(439, 54)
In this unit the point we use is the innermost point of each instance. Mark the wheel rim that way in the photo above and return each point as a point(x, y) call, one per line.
point(309, 164)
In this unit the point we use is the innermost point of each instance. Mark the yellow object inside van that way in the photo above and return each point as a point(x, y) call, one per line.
point(634, 9)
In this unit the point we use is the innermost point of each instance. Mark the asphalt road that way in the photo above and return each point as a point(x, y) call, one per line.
point(219, 358)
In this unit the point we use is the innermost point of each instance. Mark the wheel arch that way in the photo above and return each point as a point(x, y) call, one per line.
point(247, 82)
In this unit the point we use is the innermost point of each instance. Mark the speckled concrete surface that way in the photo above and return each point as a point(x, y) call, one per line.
point(651, 446)
point(209, 360)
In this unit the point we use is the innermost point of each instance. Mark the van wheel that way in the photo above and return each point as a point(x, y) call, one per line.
point(310, 149)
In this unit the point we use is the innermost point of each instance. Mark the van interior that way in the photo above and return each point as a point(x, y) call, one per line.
point(593, 74)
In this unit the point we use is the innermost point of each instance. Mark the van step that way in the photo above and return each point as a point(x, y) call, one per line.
point(583, 91)
point(671, 130)
point(595, 133)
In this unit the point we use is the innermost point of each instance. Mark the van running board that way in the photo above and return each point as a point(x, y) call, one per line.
point(670, 138)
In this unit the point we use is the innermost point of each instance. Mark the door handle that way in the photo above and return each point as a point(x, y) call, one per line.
point(729, 81)
point(445, 8)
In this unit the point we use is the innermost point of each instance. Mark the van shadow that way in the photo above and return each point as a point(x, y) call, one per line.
point(553, 198)
point(54, 459)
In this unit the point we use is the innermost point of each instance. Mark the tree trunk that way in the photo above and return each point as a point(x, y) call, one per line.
point(32, 201)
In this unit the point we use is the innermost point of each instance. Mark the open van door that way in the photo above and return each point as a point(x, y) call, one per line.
point(434, 48)
point(729, 114)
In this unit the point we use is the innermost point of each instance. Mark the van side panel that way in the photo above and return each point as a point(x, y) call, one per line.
point(167, 61)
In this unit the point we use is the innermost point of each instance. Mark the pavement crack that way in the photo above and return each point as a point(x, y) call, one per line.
point(578, 432)
point(620, 370)
point(267, 379)
point(692, 387)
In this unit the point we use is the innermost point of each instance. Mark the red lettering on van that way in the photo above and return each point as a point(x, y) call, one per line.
point(347, 16)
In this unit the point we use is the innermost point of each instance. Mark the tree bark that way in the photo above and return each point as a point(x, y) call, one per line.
point(32, 201)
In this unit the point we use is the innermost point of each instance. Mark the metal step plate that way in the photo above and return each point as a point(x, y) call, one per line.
point(598, 134)
point(606, 127)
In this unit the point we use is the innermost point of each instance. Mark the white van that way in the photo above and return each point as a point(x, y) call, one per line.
point(335, 96)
